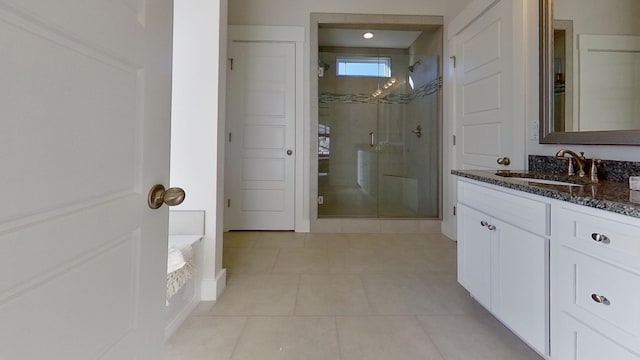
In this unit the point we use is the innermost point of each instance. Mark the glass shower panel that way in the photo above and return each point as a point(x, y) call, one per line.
point(408, 152)
point(347, 152)
point(378, 143)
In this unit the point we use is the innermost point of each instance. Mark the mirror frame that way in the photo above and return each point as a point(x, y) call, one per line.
point(614, 137)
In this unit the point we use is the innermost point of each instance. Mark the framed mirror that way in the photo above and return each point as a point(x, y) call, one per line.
point(590, 72)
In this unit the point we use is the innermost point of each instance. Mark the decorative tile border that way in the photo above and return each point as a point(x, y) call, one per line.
point(429, 88)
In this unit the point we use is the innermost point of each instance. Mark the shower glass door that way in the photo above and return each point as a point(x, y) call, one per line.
point(378, 153)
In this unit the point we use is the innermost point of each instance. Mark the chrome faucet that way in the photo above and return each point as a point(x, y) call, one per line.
point(580, 161)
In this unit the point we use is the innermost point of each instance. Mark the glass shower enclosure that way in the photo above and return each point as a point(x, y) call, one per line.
point(378, 135)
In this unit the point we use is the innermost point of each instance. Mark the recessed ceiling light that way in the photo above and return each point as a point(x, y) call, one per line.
point(368, 35)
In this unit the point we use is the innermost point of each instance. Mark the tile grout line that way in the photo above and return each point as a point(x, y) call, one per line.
point(429, 337)
point(295, 302)
point(242, 334)
point(335, 323)
point(366, 295)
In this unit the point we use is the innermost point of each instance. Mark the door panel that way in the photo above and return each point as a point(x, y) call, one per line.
point(484, 92)
point(474, 252)
point(86, 113)
point(260, 182)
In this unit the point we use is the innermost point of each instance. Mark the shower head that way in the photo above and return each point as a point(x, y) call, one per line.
point(412, 67)
point(323, 65)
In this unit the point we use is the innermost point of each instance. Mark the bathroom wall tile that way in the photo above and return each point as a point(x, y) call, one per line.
point(431, 226)
point(326, 226)
point(360, 226)
point(400, 226)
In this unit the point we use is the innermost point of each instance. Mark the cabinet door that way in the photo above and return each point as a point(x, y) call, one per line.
point(474, 254)
point(573, 340)
point(520, 282)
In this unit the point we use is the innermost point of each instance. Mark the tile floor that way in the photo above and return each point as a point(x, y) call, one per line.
point(343, 296)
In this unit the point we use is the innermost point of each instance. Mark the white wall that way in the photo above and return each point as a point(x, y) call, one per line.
point(291, 12)
point(197, 105)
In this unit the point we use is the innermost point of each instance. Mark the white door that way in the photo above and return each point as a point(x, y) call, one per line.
point(85, 113)
point(485, 120)
point(260, 183)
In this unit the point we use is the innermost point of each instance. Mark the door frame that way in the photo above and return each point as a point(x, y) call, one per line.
point(295, 35)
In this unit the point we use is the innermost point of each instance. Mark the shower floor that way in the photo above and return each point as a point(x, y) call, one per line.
point(353, 202)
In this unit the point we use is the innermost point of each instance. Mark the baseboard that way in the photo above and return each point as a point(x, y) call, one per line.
point(179, 319)
point(211, 289)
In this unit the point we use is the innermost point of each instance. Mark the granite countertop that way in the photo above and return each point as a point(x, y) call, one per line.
point(613, 196)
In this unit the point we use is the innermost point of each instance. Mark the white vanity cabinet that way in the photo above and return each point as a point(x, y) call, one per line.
point(503, 249)
point(595, 276)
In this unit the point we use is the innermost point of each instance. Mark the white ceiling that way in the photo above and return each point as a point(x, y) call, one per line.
point(395, 39)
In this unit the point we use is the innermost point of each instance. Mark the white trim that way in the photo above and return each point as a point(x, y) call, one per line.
point(266, 33)
point(297, 35)
point(179, 319)
point(211, 289)
point(468, 15)
point(608, 42)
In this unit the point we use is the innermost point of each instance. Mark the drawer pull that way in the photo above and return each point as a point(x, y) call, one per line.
point(484, 223)
point(600, 299)
point(600, 238)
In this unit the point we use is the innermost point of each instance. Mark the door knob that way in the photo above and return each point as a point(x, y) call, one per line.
point(158, 196)
point(289, 152)
point(504, 161)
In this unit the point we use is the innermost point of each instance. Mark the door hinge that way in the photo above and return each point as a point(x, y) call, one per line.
point(320, 200)
point(229, 137)
point(453, 61)
point(454, 140)
point(228, 203)
point(455, 211)
point(440, 81)
point(231, 63)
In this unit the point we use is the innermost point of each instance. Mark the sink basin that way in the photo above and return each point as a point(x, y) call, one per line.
point(545, 181)
point(540, 178)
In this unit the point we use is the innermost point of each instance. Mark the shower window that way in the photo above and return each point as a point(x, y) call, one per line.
point(375, 66)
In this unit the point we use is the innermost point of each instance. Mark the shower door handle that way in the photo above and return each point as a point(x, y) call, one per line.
point(371, 139)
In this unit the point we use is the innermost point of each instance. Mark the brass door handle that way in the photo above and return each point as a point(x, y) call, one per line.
point(158, 196)
point(504, 161)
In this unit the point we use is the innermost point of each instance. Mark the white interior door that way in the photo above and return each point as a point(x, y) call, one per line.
point(261, 163)
point(85, 101)
point(484, 92)
point(609, 82)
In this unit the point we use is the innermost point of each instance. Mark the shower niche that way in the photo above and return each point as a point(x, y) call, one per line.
point(379, 121)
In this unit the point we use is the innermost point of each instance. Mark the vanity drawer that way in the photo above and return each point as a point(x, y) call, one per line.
point(602, 295)
point(579, 342)
point(602, 237)
point(522, 212)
